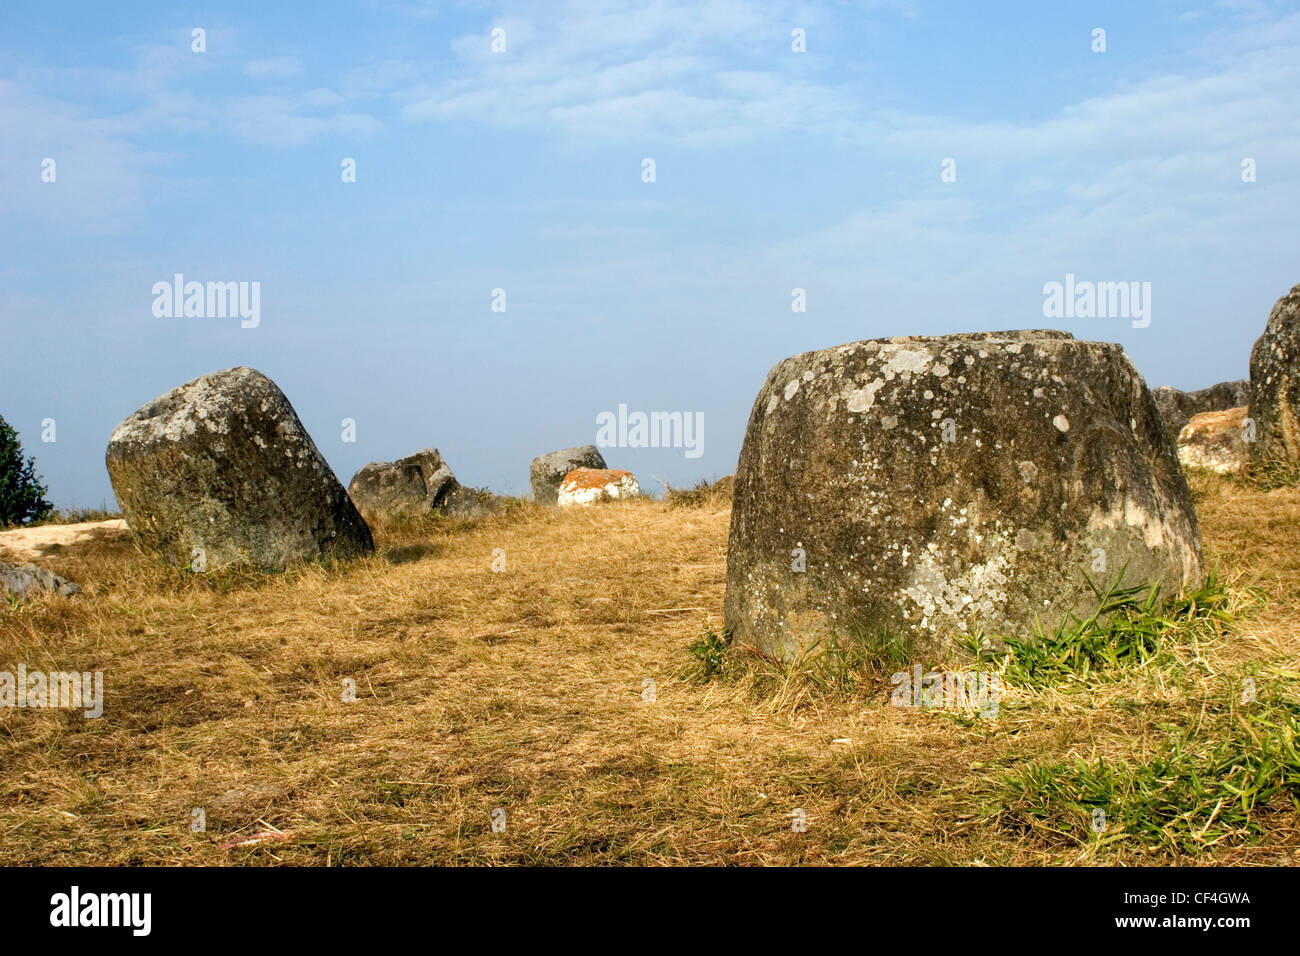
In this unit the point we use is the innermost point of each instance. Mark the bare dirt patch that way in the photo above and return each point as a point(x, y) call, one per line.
point(30, 544)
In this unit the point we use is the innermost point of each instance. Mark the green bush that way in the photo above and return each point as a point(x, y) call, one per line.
point(22, 496)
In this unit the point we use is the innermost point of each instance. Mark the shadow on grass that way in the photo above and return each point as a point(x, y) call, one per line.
point(410, 553)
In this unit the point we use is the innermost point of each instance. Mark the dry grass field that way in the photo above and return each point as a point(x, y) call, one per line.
point(526, 690)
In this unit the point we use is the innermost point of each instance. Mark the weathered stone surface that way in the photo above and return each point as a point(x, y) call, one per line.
point(1177, 408)
point(547, 471)
point(220, 471)
point(411, 485)
point(1275, 384)
point(27, 580)
point(472, 503)
point(914, 488)
point(1215, 441)
point(586, 486)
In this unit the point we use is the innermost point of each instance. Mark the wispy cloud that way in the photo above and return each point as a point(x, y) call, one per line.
point(662, 69)
point(99, 174)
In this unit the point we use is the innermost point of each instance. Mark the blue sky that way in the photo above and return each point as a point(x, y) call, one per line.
point(522, 170)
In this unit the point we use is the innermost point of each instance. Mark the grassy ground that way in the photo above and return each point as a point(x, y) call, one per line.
point(527, 690)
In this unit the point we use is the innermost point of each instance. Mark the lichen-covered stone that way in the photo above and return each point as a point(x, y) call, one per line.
point(28, 580)
point(547, 471)
point(1275, 384)
point(220, 471)
point(411, 485)
point(1215, 441)
point(586, 486)
point(1177, 407)
point(471, 503)
point(913, 489)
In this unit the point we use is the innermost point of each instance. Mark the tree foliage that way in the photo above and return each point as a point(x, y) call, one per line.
point(22, 495)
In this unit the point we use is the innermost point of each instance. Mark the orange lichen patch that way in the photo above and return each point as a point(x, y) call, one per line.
point(592, 479)
point(1208, 423)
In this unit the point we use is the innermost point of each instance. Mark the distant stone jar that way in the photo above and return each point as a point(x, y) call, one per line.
point(547, 471)
point(413, 485)
point(586, 486)
point(1216, 441)
point(1177, 408)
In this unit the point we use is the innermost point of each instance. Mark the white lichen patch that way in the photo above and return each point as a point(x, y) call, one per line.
point(979, 591)
point(906, 360)
point(863, 398)
point(1062, 423)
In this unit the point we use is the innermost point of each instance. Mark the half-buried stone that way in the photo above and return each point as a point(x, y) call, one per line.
point(220, 471)
point(907, 491)
point(411, 485)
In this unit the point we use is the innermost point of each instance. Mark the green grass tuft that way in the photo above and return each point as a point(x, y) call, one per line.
point(1131, 627)
point(711, 652)
point(1207, 784)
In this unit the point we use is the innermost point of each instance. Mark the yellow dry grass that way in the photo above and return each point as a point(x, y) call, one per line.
point(526, 690)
